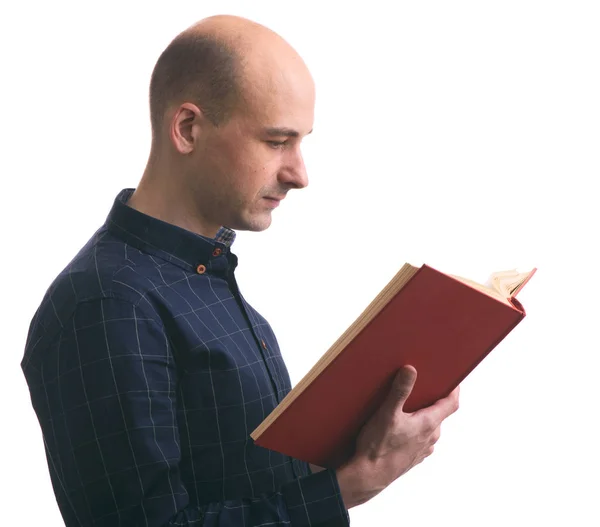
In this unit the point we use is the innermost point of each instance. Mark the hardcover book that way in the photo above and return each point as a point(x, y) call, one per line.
point(441, 324)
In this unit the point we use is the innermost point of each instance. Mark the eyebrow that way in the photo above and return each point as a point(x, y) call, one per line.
point(283, 131)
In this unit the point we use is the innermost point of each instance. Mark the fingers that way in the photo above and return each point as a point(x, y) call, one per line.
point(453, 399)
point(441, 409)
point(429, 449)
point(402, 386)
point(435, 436)
point(433, 439)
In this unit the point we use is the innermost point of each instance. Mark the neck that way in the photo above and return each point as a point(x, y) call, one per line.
point(162, 195)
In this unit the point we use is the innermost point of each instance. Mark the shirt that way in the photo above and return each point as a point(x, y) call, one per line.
point(148, 370)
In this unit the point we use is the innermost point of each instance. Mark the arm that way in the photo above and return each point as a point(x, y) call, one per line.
point(105, 395)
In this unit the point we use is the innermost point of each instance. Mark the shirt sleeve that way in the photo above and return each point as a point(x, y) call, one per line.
point(105, 395)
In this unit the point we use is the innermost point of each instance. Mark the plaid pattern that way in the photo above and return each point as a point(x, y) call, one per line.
point(148, 372)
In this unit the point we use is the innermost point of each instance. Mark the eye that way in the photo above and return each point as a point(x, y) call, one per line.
point(276, 144)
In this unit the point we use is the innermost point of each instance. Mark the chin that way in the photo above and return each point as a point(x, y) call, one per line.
point(253, 224)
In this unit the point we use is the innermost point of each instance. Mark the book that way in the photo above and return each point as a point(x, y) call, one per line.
point(443, 325)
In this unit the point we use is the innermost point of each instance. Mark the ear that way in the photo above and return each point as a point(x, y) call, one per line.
point(185, 128)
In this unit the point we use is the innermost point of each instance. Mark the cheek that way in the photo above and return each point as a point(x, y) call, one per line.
point(245, 168)
point(255, 169)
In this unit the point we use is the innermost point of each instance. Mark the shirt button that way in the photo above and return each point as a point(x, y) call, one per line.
point(264, 345)
point(217, 252)
point(201, 269)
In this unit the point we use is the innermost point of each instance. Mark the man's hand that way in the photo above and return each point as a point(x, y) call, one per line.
point(392, 441)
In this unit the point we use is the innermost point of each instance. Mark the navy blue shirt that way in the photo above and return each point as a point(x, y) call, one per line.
point(148, 370)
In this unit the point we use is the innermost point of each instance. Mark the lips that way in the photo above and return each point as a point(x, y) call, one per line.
point(274, 202)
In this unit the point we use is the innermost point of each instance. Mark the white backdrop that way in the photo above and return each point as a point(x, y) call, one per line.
point(462, 134)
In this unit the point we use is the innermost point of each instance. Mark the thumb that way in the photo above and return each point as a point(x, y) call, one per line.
point(402, 385)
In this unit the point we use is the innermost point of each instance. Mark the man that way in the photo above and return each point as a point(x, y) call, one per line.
point(147, 367)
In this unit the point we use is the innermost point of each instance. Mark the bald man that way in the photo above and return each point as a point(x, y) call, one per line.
point(147, 368)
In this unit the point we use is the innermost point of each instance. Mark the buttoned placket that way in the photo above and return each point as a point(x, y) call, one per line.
point(262, 346)
point(235, 291)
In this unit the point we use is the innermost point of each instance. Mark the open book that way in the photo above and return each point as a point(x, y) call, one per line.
point(441, 324)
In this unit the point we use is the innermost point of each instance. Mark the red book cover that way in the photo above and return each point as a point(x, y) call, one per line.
point(436, 323)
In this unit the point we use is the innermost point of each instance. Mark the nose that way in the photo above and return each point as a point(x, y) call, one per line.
point(293, 172)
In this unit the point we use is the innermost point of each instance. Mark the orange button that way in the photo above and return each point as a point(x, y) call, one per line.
point(201, 269)
point(264, 345)
point(217, 252)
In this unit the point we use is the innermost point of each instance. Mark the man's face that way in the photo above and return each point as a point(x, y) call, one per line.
point(256, 155)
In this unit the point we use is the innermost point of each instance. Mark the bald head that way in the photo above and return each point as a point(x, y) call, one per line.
point(216, 64)
point(231, 103)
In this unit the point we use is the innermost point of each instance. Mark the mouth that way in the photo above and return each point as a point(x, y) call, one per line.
point(273, 201)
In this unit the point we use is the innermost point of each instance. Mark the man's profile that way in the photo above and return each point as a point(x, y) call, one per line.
point(147, 367)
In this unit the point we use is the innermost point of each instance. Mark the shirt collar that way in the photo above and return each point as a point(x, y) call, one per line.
point(175, 244)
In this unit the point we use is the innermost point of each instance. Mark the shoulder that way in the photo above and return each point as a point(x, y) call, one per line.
point(106, 268)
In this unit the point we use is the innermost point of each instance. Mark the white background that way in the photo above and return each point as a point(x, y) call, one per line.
point(460, 134)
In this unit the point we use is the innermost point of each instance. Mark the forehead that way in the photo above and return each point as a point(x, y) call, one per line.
point(279, 97)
